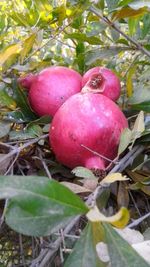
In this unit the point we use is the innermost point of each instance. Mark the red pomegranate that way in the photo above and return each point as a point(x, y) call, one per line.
point(102, 80)
point(49, 89)
point(86, 130)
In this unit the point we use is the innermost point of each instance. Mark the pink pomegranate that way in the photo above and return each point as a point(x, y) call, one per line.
point(49, 89)
point(102, 80)
point(86, 130)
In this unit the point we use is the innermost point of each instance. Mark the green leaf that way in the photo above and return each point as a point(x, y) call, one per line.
point(22, 102)
point(94, 28)
point(145, 106)
point(141, 94)
point(146, 26)
point(102, 53)
point(83, 172)
point(16, 116)
point(112, 4)
point(30, 132)
point(38, 206)
point(4, 128)
point(125, 140)
point(84, 38)
point(84, 253)
point(120, 252)
point(27, 46)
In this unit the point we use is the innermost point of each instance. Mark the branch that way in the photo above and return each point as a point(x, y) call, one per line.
point(112, 25)
point(17, 150)
point(47, 254)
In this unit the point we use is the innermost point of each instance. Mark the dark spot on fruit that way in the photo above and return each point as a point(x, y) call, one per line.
point(72, 137)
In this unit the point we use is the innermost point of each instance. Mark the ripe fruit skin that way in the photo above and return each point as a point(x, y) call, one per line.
point(51, 88)
point(87, 121)
point(102, 80)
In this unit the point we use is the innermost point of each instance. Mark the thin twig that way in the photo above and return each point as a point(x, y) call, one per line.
point(22, 250)
point(138, 221)
point(17, 150)
point(47, 254)
point(44, 164)
point(112, 25)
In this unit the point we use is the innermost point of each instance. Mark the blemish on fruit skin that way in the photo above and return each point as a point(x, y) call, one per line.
point(52, 128)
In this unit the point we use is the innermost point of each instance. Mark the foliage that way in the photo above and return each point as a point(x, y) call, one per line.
point(79, 34)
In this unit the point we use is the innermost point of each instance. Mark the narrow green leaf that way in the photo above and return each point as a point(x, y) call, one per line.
point(84, 253)
point(38, 206)
point(102, 53)
point(22, 102)
point(120, 252)
point(145, 106)
point(84, 38)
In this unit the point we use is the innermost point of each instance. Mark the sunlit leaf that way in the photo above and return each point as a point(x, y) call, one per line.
point(137, 4)
point(119, 220)
point(129, 81)
point(8, 52)
point(27, 46)
point(113, 177)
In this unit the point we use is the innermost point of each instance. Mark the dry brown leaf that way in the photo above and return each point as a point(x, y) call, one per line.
point(122, 196)
point(77, 189)
point(90, 184)
point(5, 164)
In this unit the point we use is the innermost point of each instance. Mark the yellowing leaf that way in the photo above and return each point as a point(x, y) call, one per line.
point(113, 177)
point(129, 12)
point(129, 82)
point(139, 127)
point(27, 45)
point(119, 220)
point(9, 51)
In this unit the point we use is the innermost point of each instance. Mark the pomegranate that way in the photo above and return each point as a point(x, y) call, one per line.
point(86, 130)
point(49, 89)
point(102, 80)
